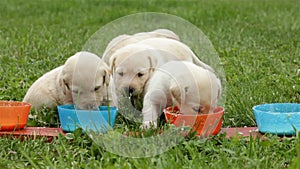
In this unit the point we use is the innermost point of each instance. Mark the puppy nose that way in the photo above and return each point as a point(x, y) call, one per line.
point(128, 90)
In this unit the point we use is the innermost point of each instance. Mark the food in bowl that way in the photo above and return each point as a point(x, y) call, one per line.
point(204, 125)
point(97, 120)
point(278, 118)
point(13, 115)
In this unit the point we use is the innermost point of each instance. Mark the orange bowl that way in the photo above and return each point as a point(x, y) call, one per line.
point(13, 115)
point(204, 125)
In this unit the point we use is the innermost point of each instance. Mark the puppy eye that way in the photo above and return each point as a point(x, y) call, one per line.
point(120, 73)
point(97, 88)
point(140, 74)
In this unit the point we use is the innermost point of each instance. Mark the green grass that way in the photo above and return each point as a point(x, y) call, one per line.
point(257, 41)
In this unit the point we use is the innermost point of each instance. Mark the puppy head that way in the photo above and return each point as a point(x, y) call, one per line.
point(83, 79)
point(132, 66)
point(197, 95)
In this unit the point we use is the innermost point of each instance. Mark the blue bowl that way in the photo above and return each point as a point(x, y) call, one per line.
point(95, 120)
point(278, 118)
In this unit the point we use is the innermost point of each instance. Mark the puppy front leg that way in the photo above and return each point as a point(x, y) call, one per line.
point(152, 104)
point(149, 116)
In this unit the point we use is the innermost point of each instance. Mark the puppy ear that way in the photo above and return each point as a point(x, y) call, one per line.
point(152, 62)
point(62, 83)
point(65, 86)
point(112, 64)
point(175, 92)
point(106, 75)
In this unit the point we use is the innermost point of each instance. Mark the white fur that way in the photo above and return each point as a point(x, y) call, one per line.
point(143, 57)
point(190, 87)
point(81, 80)
point(123, 40)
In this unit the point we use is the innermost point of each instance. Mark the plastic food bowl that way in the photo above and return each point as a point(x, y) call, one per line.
point(278, 118)
point(96, 120)
point(13, 115)
point(205, 125)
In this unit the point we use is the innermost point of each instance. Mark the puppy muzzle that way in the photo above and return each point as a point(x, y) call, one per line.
point(128, 91)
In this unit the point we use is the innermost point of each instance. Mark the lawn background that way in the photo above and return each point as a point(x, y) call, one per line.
point(258, 43)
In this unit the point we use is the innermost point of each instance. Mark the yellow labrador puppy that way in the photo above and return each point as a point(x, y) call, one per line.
point(133, 65)
point(81, 81)
point(190, 87)
point(123, 40)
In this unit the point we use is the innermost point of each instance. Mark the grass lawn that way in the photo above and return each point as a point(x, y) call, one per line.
point(258, 43)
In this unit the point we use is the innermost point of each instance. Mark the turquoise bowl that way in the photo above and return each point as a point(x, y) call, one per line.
point(100, 120)
point(278, 118)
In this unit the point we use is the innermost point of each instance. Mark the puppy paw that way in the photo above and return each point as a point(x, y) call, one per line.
point(149, 125)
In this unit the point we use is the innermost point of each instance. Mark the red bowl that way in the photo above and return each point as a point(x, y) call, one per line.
point(13, 115)
point(205, 125)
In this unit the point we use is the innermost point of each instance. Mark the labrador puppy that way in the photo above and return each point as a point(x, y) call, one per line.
point(81, 81)
point(133, 65)
point(179, 83)
point(123, 40)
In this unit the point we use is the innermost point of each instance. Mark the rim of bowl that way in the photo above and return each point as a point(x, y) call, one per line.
point(221, 111)
point(64, 106)
point(21, 104)
point(275, 112)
